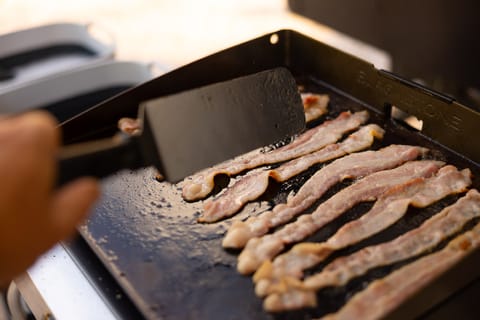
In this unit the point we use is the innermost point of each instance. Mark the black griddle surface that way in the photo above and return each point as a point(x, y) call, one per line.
point(175, 268)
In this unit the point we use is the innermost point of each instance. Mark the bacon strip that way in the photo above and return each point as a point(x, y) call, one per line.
point(130, 126)
point(201, 184)
point(255, 183)
point(388, 209)
point(369, 188)
point(314, 105)
point(352, 166)
point(384, 295)
point(427, 236)
point(445, 223)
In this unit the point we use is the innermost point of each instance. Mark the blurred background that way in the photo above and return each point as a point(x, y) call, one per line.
point(176, 32)
point(429, 41)
point(433, 42)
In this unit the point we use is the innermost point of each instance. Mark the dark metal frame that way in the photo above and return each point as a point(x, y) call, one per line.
point(445, 120)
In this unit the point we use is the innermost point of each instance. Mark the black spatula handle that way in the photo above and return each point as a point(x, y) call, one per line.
point(99, 158)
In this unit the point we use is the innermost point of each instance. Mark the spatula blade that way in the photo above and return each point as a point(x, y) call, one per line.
point(186, 132)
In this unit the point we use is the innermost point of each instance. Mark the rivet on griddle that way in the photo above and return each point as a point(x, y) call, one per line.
point(274, 38)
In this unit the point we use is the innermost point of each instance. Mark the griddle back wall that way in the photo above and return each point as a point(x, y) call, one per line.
point(444, 120)
point(255, 56)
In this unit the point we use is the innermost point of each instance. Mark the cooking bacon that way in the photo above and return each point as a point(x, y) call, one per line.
point(130, 126)
point(369, 188)
point(434, 230)
point(384, 295)
point(420, 195)
point(352, 166)
point(314, 105)
point(388, 209)
point(255, 183)
point(201, 184)
point(428, 235)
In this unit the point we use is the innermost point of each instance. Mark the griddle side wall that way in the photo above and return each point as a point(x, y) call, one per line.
point(444, 120)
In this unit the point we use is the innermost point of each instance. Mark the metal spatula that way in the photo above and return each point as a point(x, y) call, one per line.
point(186, 132)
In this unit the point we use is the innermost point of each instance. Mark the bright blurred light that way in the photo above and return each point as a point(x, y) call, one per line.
point(177, 32)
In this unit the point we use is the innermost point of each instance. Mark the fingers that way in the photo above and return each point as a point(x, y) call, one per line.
point(29, 144)
point(27, 148)
point(71, 205)
point(26, 163)
point(39, 124)
point(34, 216)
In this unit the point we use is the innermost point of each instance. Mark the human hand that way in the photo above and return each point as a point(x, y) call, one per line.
point(33, 214)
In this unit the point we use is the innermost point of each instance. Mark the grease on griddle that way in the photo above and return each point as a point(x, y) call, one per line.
point(278, 144)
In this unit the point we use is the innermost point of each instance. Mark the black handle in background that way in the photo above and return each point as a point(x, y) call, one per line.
point(99, 158)
point(6, 74)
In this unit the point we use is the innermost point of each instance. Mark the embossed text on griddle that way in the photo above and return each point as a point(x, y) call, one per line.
point(412, 101)
point(382, 87)
point(428, 110)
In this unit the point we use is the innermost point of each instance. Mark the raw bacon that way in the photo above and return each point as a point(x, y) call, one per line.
point(255, 183)
point(388, 209)
point(201, 184)
point(384, 295)
point(314, 105)
point(439, 227)
point(412, 243)
point(130, 126)
point(352, 166)
point(369, 188)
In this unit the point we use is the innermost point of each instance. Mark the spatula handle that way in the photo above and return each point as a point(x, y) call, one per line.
point(98, 158)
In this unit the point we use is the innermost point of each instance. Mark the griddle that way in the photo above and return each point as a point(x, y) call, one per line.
point(171, 267)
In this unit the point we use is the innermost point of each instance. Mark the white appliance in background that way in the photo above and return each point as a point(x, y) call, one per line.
point(73, 83)
point(34, 53)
